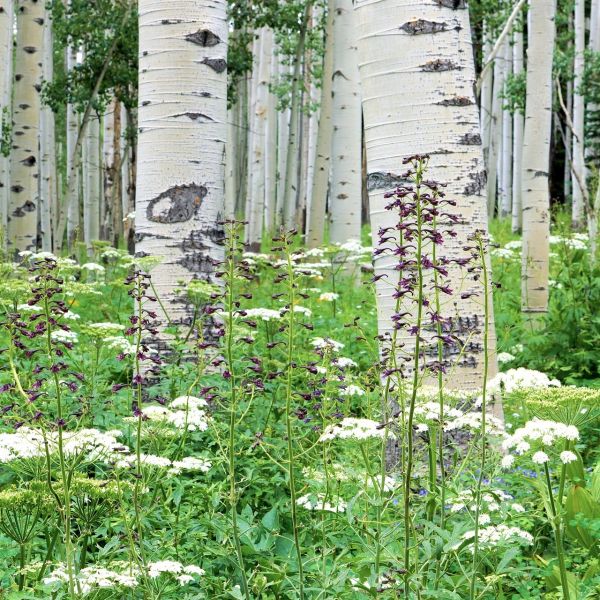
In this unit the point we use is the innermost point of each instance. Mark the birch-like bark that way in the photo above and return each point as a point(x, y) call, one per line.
point(578, 208)
point(107, 169)
point(345, 205)
point(271, 146)
point(258, 131)
point(230, 163)
point(495, 137)
point(536, 158)
point(290, 182)
point(6, 75)
point(182, 124)
point(320, 188)
point(507, 141)
point(25, 159)
point(48, 171)
point(486, 102)
point(518, 120)
point(91, 200)
point(72, 197)
point(424, 47)
point(283, 130)
point(311, 150)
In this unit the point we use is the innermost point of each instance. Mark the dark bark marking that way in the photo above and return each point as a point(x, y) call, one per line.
point(421, 26)
point(24, 106)
point(206, 94)
point(453, 4)
point(540, 174)
point(176, 205)
point(379, 180)
point(30, 49)
point(18, 77)
point(21, 211)
point(456, 101)
point(39, 20)
point(145, 102)
point(204, 38)
point(17, 189)
point(339, 73)
point(478, 181)
point(470, 139)
point(197, 238)
point(195, 116)
point(342, 196)
point(440, 64)
point(30, 161)
point(218, 65)
point(171, 21)
point(37, 86)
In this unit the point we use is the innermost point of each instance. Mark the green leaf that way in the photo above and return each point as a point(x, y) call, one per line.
point(580, 502)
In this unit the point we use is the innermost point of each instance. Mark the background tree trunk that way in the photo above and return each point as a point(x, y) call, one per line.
point(536, 158)
point(518, 120)
point(181, 148)
point(578, 212)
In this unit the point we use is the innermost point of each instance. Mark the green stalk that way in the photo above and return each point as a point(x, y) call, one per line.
point(288, 422)
point(233, 410)
point(486, 360)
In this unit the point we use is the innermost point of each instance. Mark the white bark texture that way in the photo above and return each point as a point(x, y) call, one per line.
point(91, 199)
point(495, 137)
point(346, 193)
point(507, 141)
point(271, 147)
point(518, 120)
point(316, 216)
point(231, 163)
point(485, 102)
point(48, 171)
point(578, 208)
point(425, 47)
point(6, 54)
point(536, 158)
point(73, 195)
point(23, 207)
point(182, 123)
point(108, 152)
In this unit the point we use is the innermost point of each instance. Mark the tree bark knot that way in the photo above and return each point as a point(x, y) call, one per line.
point(440, 64)
point(470, 139)
point(379, 180)
point(177, 204)
point(218, 65)
point(21, 211)
point(477, 183)
point(204, 38)
point(195, 116)
point(421, 26)
point(456, 101)
point(453, 4)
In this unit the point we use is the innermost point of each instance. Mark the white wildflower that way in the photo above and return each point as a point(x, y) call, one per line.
point(93, 267)
point(567, 457)
point(317, 502)
point(65, 337)
point(343, 362)
point(352, 390)
point(328, 297)
point(353, 428)
point(327, 344)
point(540, 458)
point(504, 357)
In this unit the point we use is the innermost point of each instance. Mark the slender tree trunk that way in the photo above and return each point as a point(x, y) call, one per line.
point(47, 147)
point(91, 200)
point(72, 199)
point(6, 80)
point(290, 185)
point(271, 146)
point(242, 147)
point(486, 103)
point(108, 153)
point(345, 208)
point(495, 137)
point(182, 124)
point(316, 218)
point(507, 141)
point(518, 120)
point(25, 159)
point(283, 130)
point(230, 163)
point(424, 47)
point(578, 209)
point(536, 158)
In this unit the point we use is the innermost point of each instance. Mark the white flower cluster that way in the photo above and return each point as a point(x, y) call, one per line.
point(539, 430)
point(519, 379)
point(353, 428)
point(30, 443)
point(71, 316)
point(352, 390)
point(505, 357)
point(185, 411)
point(503, 253)
point(578, 241)
point(93, 267)
point(342, 362)
point(93, 578)
point(429, 412)
point(90, 579)
point(317, 502)
point(490, 500)
point(354, 247)
point(327, 344)
point(176, 467)
point(65, 337)
point(297, 309)
point(328, 297)
point(26, 308)
point(27, 254)
point(265, 314)
point(500, 534)
point(121, 344)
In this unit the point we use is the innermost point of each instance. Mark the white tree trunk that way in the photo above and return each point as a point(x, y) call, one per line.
point(6, 75)
point(346, 144)
point(495, 137)
point(578, 209)
point(507, 141)
point(316, 216)
point(536, 158)
point(48, 171)
point(518, 120)
point(182, 124)
point(283, 130)
point(23, 207)
point(424, 47)
point(108, 152)
point(258, 131)
point(72, 199)
point(91, 200)
point(486, 103)
point(231, 163)
point(271, 147)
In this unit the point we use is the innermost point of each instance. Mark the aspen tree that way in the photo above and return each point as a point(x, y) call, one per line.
point(181, 146)
point(518, 120)
point(25, 160)
point(536, 158)
point(507, 141)
point(578, 208)
point(424, 47)
point(345, 204)
point(6, 56)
